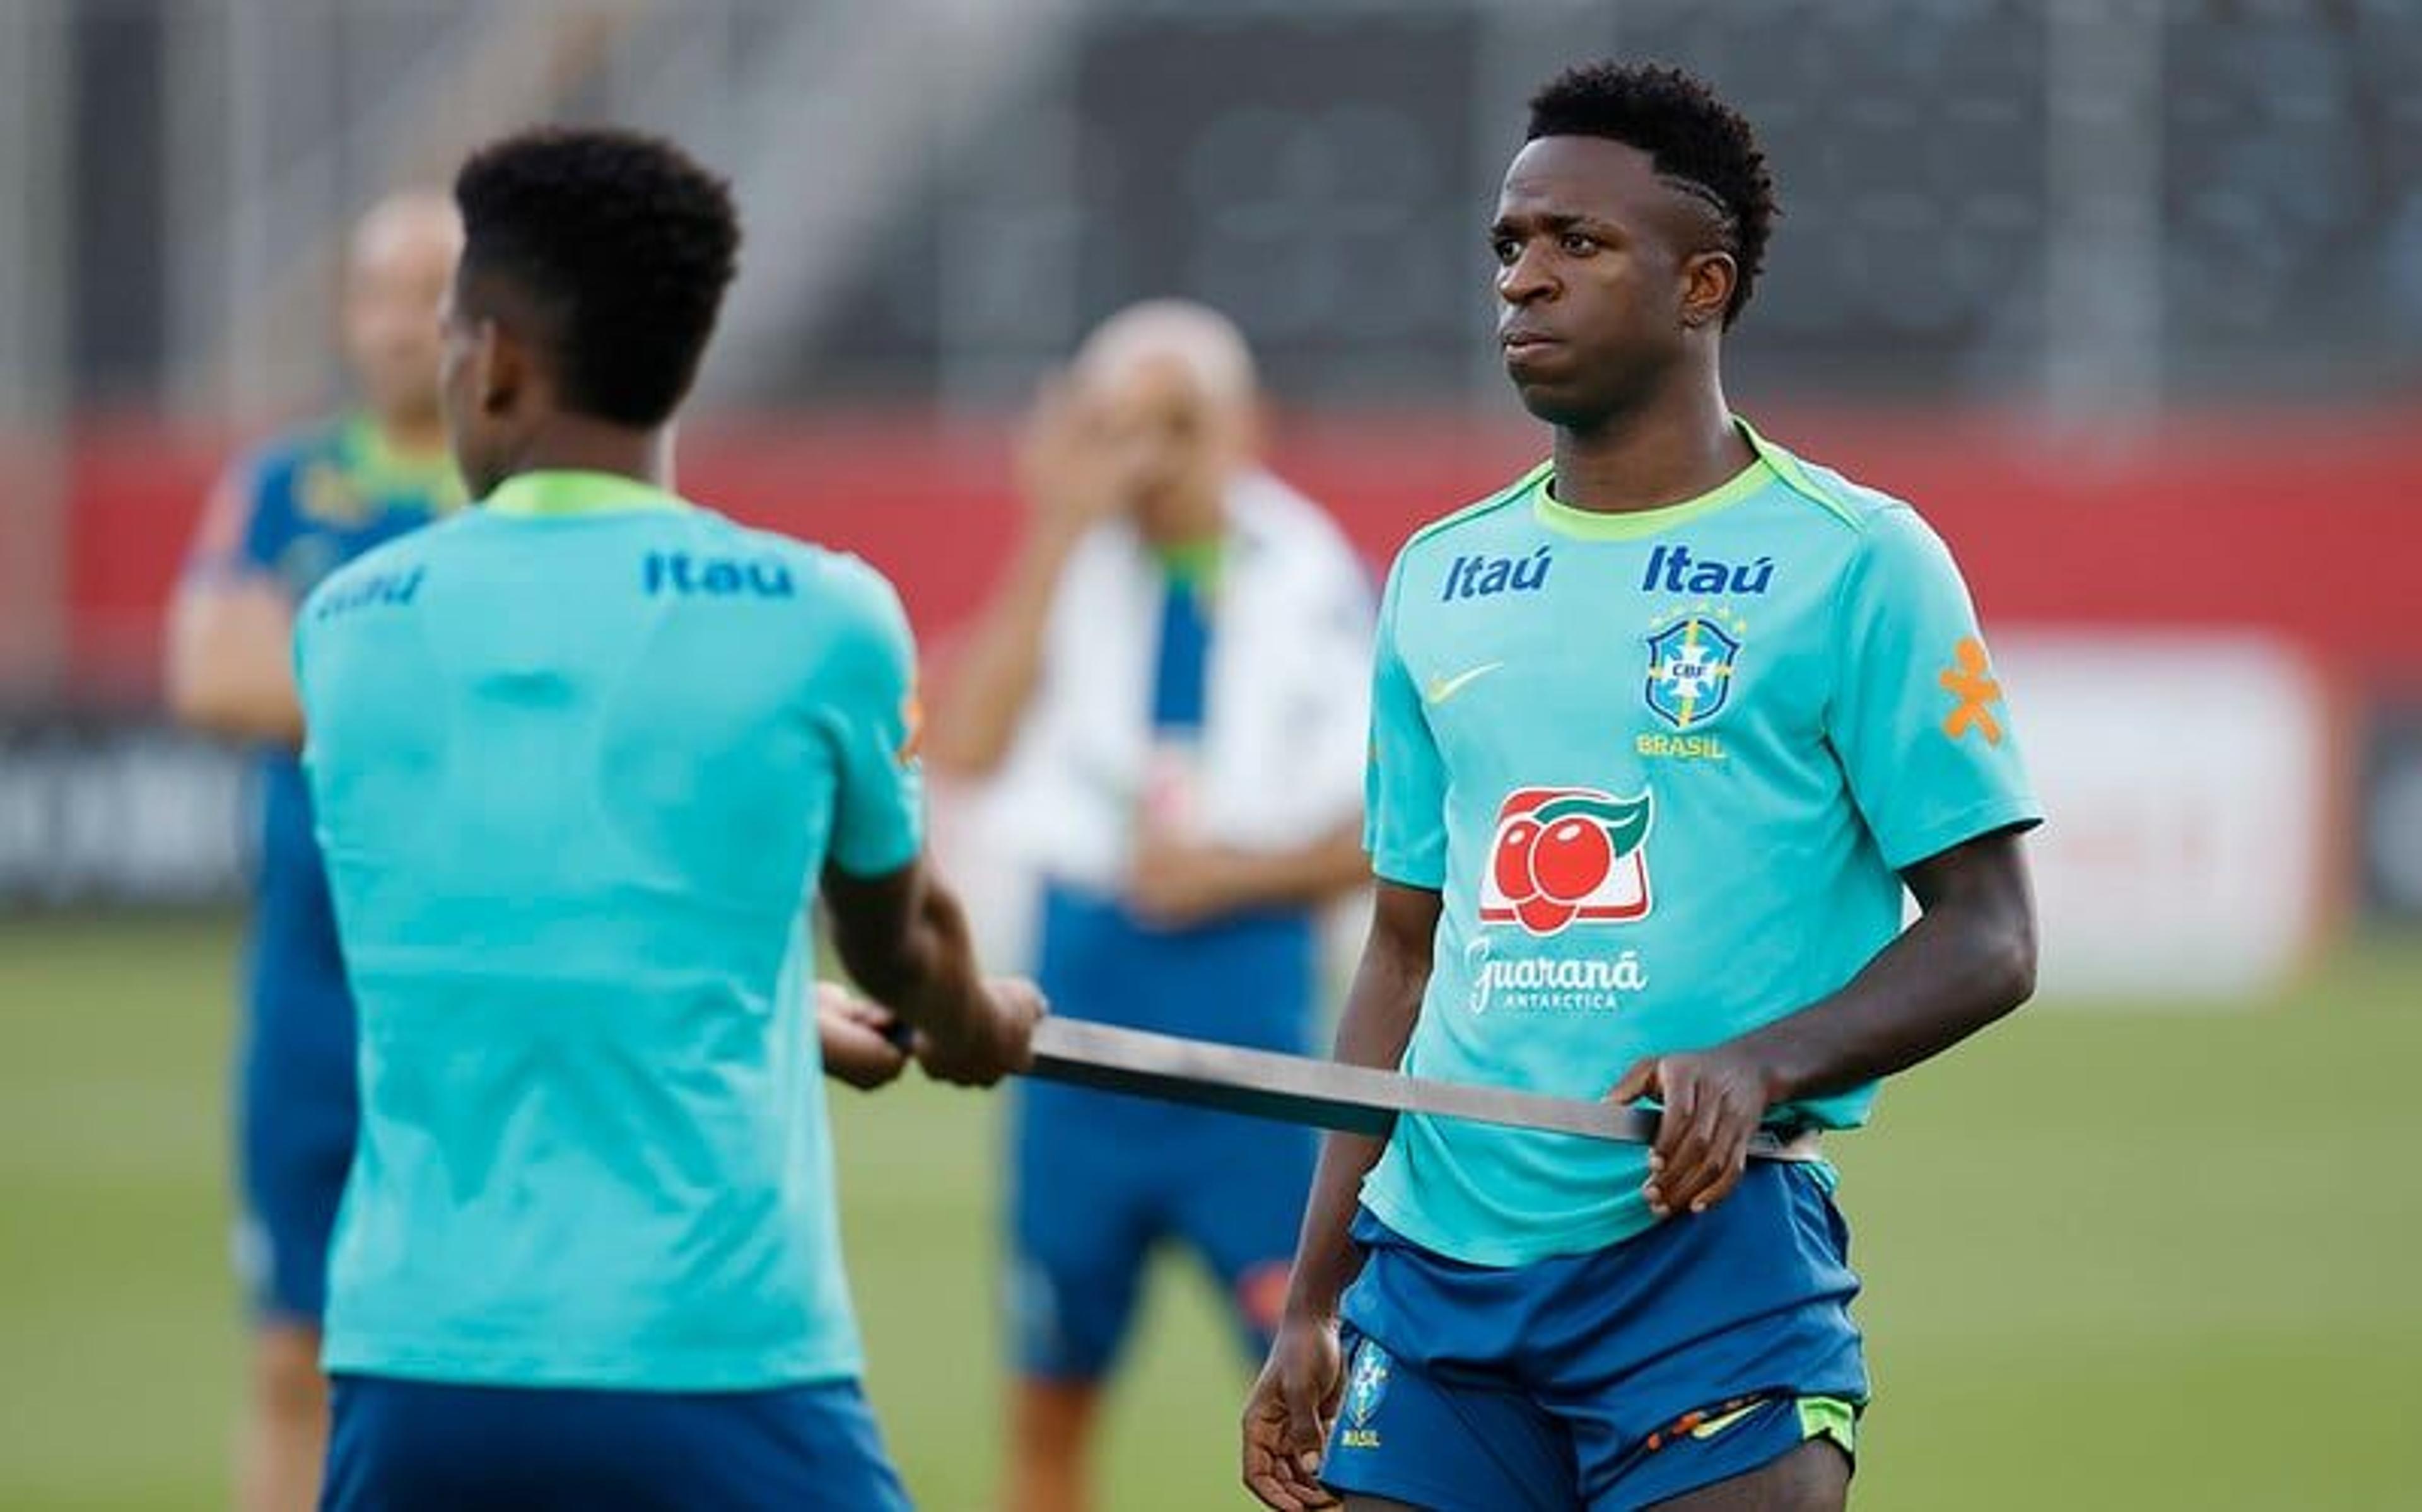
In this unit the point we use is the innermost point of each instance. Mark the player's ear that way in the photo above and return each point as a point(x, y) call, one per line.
point(1709, 279)
point(500, 366)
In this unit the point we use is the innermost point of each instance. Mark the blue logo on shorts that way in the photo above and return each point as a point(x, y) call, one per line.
point(1362, 1392)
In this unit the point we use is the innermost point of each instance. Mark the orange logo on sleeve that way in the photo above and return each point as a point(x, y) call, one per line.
point(1969, 680)
point(912, 719)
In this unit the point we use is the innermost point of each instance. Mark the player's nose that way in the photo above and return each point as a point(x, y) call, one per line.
point(1525, 279)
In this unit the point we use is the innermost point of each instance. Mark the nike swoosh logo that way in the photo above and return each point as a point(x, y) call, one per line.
point(1442, 689)
point(1717, 1425)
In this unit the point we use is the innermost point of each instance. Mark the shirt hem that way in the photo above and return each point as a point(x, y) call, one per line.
point(528, 1372)
point(1497, 1256)
point(1562, 1245)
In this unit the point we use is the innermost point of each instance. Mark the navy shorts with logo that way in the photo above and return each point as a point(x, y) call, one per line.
point(420, 1446)
point(1695, 1352)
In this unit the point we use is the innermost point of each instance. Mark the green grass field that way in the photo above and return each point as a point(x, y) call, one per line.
point(2140, 1260)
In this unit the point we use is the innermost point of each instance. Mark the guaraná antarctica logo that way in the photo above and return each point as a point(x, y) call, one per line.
point(1561, 856)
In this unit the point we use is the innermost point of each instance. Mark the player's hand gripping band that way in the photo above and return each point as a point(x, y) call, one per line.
point(1356, 1099)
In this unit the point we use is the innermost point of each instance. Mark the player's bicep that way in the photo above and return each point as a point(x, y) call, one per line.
point(1404, 817)
point(1919, 718)
point(868, 709)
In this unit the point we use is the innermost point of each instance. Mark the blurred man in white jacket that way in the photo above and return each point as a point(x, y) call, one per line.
point(1168, 695)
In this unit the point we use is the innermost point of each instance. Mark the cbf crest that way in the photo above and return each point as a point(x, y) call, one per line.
point(1364, 1390)
point(1691, 661)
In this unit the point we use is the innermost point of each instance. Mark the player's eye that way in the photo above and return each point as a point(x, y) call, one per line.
point(1577, 243)
point(1506, 249)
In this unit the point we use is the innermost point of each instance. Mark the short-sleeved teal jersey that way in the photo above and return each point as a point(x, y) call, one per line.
point(577, 759)
point(1664, 768)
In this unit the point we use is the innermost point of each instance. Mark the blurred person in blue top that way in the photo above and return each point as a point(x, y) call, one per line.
point(279, 522)
point(579, 757)
point(1661, 733)
point(1167, 695)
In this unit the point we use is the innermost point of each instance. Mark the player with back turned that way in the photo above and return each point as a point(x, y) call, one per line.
point(1661, 732)
point(579, 754)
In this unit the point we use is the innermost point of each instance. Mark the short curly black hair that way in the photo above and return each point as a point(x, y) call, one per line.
point(1696, 141)
point(622, 246)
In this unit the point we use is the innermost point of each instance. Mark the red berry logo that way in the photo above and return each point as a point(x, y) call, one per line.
point(1543, 915)
point(1570, 859)
point(1567, 854)
point(1512, 859)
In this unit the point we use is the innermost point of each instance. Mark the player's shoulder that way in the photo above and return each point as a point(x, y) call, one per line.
point(811, 563)
point(1293, 528)
point(823, 580)
point(1891, 544)
point(390, 571)
point(267, 469)
point(1456, 530)
point(1831, 494)
point(1268, 505)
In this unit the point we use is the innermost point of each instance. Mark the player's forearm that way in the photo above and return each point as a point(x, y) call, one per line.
point(1374, 1032)
point(228, 670)
point(1304, 875)
point(1969, 960)
point(971, 725)
point(1381, 1009)
point(927, 971)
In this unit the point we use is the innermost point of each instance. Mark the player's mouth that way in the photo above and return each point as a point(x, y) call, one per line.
point(1526, 347)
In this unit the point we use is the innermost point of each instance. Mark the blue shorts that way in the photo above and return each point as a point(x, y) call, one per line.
point(406, 1446)
point(297, 1112)
point(1690, 1354)
point(1098, 1181)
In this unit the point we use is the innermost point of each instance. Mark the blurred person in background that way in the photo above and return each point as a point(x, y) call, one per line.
point(578, 756)
point(1166, 691)
point(281, 520)
point(1661, 732)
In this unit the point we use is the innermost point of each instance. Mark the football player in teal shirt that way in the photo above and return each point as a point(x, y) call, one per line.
point(579, 757)
point(1661, 733)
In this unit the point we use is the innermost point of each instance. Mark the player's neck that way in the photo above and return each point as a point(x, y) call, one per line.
point(578, 444)
point(414, 438)
point(1675, 447)
point(1195, 516)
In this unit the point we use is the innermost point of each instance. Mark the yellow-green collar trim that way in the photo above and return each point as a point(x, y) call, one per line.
point(1631, 524)
point(378, 465)
point(1795, 477)
point(1194, 563)
point(566, 494)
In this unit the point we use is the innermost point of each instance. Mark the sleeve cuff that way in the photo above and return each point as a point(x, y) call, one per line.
point(879, 861)
point(1405, 871)
point(2018, 811)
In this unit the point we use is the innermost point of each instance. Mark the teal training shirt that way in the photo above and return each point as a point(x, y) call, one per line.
point(1664, 768)
point(577, 759)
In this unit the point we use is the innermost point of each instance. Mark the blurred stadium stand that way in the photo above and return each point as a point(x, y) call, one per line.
point(2127, 295)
